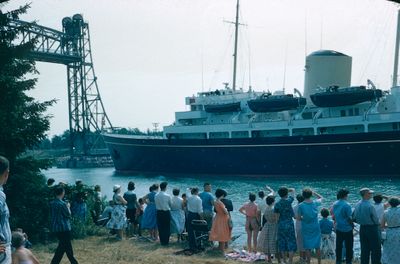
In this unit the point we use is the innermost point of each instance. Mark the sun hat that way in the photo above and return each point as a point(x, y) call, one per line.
point(116, 187)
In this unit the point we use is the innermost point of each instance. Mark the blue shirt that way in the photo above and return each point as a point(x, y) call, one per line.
point(326, 226)
point(131, 198)
point(60, 215)
point(342, 214)
point(365, 213)
point(207, 200)
point(5, 231)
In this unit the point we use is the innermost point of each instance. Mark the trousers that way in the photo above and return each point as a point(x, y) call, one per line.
point(64, 246)
point(164, 226)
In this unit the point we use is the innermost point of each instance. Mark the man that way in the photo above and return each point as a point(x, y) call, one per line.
point(163, 205)
point(344, 226)
point(5, 231)
point(195, 212)
point(61, 226)
point(207, 200)
point(365, 215)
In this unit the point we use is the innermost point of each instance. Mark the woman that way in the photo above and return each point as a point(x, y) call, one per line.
point(391, 223)
point(267, 240)
point(253, 220)
point(299, 236)
point(308, 215)
point(118, 218)
point(286, 235)
point(177, 214)
point(220, 230)
point(149, 220)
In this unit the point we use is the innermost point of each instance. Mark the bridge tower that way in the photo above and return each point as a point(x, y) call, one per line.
point(71, 47)
point(86, 110)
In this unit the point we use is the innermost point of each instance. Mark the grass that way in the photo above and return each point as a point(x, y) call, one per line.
point(104, 250)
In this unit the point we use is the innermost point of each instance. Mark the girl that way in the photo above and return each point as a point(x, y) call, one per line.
point(328, 239)
point(253, 219)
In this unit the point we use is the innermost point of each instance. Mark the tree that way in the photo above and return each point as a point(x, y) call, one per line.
point(23, 124)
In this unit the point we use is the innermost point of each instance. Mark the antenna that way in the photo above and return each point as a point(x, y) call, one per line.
point(155, 125)
point(322, 30)
point(284, 68)
point(305, 34)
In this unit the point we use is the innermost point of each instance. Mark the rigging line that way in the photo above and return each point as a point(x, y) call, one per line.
point(374, 44)
point(385, 44)
point(219, 64)
point(245, 35)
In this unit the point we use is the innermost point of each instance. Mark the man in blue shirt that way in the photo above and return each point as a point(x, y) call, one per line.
point(344, 226)
point(208, 202)
point(365, 215)
point(5, 231)
point(61, 226)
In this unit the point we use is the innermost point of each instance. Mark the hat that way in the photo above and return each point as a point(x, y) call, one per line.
point(116, 187)
point(366, 190)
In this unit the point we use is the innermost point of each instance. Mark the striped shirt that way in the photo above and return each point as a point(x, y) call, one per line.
point(60, 215)
point(5, 231)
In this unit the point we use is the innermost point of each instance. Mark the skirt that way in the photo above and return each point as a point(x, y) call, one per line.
point(391, 246)
point(328, 246)
point(177, 221)
point(149, 220)
point(267, 239)
point(118, 218)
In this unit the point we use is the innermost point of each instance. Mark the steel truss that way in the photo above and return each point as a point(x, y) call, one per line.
point(72, 48)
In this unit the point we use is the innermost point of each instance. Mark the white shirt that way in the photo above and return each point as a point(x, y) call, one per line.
point(163, 201)
point(176, 203)
point(380, 209)
point(194, 204)
point(263, 205)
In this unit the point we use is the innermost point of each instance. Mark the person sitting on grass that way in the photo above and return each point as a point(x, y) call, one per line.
point(21, 255)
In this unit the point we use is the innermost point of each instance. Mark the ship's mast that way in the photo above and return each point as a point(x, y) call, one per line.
point(236, 46)
point(396, 52)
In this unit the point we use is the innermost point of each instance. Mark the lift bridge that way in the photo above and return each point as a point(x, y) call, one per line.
point(71, 47)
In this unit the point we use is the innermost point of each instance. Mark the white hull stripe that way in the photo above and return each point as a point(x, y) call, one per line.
point(258, 145)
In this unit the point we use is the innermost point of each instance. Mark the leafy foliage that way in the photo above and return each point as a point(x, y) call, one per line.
point(23, 124)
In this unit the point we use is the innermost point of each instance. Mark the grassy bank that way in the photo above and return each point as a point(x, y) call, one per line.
point(103, 250)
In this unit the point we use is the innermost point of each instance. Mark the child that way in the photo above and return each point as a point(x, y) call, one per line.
point(27, 243)
point(327, 237)
point(138, 219)
point(21, 255)
point(253, 219)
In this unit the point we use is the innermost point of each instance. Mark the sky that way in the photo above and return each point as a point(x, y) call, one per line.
point(150, 54)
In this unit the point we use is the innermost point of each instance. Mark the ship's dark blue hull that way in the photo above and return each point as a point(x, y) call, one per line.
point(362, 154)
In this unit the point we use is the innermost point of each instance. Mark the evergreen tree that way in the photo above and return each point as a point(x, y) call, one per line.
point(23, 124)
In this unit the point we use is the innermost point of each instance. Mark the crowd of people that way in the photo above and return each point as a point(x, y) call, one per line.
point(276, 225)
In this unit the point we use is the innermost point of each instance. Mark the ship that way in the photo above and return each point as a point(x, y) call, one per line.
point(331, 129)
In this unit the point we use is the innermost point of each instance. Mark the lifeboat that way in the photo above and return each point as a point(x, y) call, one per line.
point(275, 103)
point(334, 96)
point(222, 108)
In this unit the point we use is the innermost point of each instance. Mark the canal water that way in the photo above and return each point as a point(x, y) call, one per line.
point(237, 187)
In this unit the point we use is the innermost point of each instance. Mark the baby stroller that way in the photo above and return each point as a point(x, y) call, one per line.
point(201, 233)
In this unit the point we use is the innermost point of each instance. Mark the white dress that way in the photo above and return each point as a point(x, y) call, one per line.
point(177, 216)
point(391, 245)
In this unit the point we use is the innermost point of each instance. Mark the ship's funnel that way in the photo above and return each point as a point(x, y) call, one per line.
point(325, 68)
